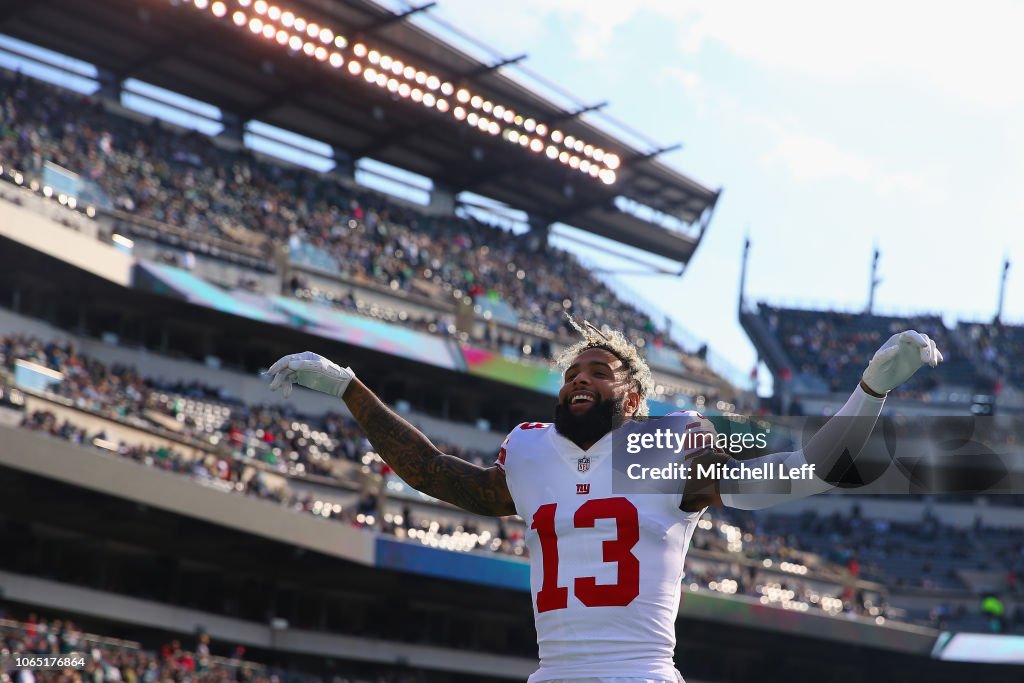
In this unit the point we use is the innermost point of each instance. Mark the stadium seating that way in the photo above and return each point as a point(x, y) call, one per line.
point(827, 350)
point(248, 447)
point(114, 659)
point(996, 347)
point(153, 176)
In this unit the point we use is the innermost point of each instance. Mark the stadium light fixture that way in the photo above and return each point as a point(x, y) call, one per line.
point(327, 45)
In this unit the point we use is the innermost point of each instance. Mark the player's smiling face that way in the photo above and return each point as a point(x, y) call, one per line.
point(595, 376)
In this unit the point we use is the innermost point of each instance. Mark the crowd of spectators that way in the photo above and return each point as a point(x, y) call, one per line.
point(109, 660)
point(255, 445)
point(286, 442)
point(244, 451)
point(185, 180)
point(834, 347)
point(925, 555)
point(997, 348)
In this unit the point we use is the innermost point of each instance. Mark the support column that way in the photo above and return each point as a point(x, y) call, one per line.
point(110, 84)
point(344, 164)
point(442, 199)
point(540, 232)
point(234, 126)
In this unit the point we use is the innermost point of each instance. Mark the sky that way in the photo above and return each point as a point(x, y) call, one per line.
point(830, 128)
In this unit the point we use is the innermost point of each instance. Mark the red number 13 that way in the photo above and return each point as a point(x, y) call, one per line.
point(551, 596)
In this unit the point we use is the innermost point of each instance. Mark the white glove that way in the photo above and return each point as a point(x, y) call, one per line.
point(898, 359)
point(310, 370)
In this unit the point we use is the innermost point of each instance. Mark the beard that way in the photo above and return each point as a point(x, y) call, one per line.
point(603, 417)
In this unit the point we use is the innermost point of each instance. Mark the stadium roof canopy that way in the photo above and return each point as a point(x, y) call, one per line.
point(174, 45)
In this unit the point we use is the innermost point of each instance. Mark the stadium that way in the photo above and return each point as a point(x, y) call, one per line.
point(192, 189)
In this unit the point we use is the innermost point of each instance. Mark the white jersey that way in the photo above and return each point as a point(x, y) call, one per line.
point(605, 568)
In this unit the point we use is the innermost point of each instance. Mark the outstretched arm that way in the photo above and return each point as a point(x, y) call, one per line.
point(407, 450)
point(421, 465)
point(893, 364)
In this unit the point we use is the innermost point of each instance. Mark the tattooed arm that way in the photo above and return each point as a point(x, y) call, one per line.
point(417, 461)
point(409, 453)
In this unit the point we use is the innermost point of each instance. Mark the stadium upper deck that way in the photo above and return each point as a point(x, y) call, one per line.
point(368, 83)
point(189, 189)
point(814, 353)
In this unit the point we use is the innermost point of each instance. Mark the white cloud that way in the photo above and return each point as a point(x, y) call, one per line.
point(689, 80)
point(970, 52)
point(808, 158)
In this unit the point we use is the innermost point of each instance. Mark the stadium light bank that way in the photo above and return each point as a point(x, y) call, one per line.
point(301, 36)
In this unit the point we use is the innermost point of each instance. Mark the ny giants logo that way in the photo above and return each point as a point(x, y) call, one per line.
point(583, 489)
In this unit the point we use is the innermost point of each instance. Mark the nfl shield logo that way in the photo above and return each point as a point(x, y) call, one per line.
point(583, 464)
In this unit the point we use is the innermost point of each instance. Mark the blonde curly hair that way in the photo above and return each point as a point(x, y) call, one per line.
point(615, 343)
